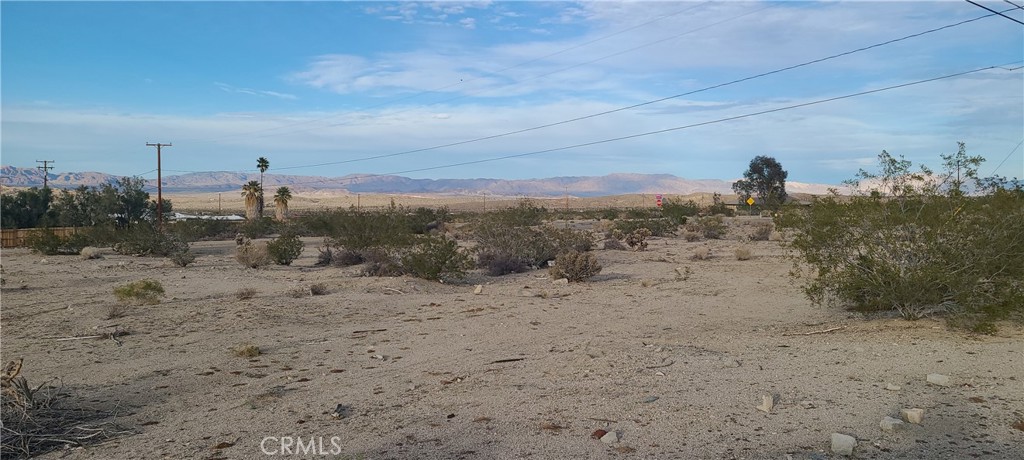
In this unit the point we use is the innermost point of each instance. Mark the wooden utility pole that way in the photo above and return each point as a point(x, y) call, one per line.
point(45, 168)
point(159, 185)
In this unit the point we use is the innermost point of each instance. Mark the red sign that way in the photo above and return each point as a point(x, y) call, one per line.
point(658, 197)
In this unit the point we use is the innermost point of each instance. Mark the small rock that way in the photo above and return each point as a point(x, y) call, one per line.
point(610, 437)
point(889, 424)
point(938, 379)
point(767, 403)
point(479, 289)
point(843, 444)
point(912, 415)
point(659, 374)
point(891, 387)
point(380, 357)
point(598, 434)
point(650, 399)
point(339, 411)
point(807, 404)
point(561, 281)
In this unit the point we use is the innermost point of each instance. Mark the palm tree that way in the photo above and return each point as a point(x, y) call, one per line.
point(251, 193)
point(281, 203)
point(263, 164)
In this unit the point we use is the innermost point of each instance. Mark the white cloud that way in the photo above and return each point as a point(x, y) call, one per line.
point(254, 92)
point(469, 23)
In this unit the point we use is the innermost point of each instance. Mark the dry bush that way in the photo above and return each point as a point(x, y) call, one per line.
point(182, 257)
point(691, 236)
point(252, 255)
point(115, 311)
point(246, 350)
point(575, 266)
point(761, 232)
point(143, 292)
point(701, 253)
point(90, 252)
point(318, 289)
point(298, 292)
point(777, 236)
point(743, 253)
point(711, 227)
point(637, 239)
point(245, 293)
point(380, 262)
point(38, 420)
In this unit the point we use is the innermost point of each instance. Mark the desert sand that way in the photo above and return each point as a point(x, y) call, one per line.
point(675, 366)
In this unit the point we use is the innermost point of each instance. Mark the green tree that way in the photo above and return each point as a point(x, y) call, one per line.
point(281, 203)
point(765, 180)
point(263, 164)
point(27, 208)
point(251, 193)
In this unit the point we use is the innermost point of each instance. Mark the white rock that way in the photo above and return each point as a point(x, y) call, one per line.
point(561, 281)
point(890, 424)
point(610, 437)
point(843, 444)
point(939, 379)
point(914, 415)
point(479, 289)
point(891, 387)
point(767, 403)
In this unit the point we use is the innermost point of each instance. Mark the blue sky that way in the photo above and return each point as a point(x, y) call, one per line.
point(318, 87)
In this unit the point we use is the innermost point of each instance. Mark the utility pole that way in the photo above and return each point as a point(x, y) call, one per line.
point(45, 168)
point(159, 185)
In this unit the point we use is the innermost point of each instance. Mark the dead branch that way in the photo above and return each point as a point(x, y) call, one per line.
point(824, 331)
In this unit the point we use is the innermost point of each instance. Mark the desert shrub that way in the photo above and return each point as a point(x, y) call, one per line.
point(503, 249)
point(636, 240)
point(318, 289)
point(575, 266)
point(642, 213)
point(147, 291)
point(657, 226)
point(423, 220)
point(182, 257)
point(284, 249)
point(436, 258)
point(710, 227)
point(916, 243)
point(526, 213)
point(245, 293)
point(115, 311)
point(717, 207)
point(358, 229)
point(610, 213)
point(203, 229)
point(691, 236)
point(761, 232)
point(258, 228)
point(299, 292)
point(246, 350)
point(146, 240)
point(743, 253)
point(90, 252)
point(380, 262)
point(48, 243)
point(614, 244)
point(701, 253)
point(676, 211)
point(252, 255)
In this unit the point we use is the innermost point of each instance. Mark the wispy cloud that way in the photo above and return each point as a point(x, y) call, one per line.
point(255, 92)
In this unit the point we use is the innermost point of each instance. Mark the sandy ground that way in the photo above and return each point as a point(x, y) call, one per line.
point(524, 369)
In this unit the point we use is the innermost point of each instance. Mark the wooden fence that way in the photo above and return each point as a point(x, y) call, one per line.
point(15, 237)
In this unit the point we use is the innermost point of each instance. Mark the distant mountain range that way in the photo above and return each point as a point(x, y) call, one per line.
point(583, 186)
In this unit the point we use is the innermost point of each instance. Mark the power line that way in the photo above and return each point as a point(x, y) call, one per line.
point(677, 128)
point(1018, 21)
point(462, 82)
point(45, 168)
point(1014, 4)
point(159, 185)
point(629, 107)
point(1008, 155)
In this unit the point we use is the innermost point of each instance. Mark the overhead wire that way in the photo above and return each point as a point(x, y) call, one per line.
point(641, 104)
point(666, 130)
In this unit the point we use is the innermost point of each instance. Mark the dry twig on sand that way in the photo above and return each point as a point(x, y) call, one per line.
point(824, 331)
point(35, 421)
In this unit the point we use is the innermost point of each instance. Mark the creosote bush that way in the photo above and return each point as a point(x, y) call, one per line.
point(502, 249)
point(436, 258)
point(743, 253)
point(710, 227)
point(182, 257)
point(318, 289)
point(916, 243)
point(761, 232)
point(245, 293)
point(575, 266)
point(284, 249)
point(147, 291)
point(46, 242)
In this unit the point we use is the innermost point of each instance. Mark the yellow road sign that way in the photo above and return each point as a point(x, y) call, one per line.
point(750, 201)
